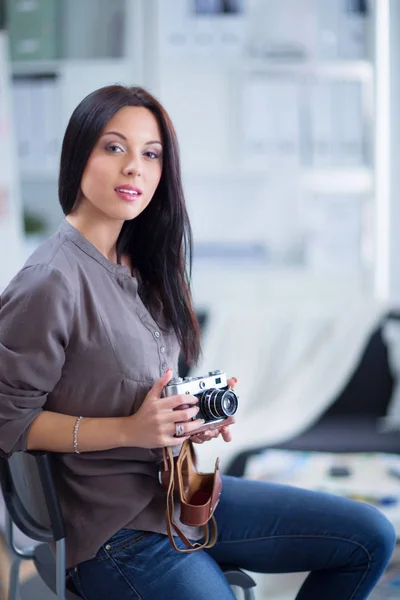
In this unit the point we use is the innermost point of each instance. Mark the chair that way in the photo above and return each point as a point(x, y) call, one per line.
point(32, 505)
point(351, 424)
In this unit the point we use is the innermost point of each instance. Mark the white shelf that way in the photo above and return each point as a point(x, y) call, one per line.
point(351, 181)
point(50, 67)
point(357, 180)
point(343, 69)
point(338, 69)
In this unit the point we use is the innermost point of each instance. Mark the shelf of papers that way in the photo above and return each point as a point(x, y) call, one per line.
point(358, 70)
point(37, 68)
point(356, 178)
point(337, 181)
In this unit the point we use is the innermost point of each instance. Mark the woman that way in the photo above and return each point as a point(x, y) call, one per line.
point(90, 331)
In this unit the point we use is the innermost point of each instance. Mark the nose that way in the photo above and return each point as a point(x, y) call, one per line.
point(132, 167)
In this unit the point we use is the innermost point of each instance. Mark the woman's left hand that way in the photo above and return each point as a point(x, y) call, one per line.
point(200, 438)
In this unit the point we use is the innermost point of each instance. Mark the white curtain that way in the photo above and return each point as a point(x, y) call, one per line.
point(292, 346)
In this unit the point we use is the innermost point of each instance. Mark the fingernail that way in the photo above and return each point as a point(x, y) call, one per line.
point(167, 371)
point(234, 379)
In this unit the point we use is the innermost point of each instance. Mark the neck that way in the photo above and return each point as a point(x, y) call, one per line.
point(101, 232)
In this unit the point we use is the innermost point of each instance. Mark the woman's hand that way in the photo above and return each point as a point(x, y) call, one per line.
point(200, 438)
point(153, 425)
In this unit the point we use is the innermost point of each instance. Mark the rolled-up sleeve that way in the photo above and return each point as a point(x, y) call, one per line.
point(35, 322)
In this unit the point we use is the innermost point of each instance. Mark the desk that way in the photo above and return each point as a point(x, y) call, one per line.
point(371, 475)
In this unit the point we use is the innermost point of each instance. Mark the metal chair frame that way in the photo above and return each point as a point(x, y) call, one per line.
point(30, 496)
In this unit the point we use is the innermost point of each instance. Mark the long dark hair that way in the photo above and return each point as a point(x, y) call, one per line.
point(159, 240)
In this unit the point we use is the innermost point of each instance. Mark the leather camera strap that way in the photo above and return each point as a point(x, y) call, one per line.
point(170, 511)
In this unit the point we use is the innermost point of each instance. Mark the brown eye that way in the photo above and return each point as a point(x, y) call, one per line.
point(152, 155)
point(114, 149)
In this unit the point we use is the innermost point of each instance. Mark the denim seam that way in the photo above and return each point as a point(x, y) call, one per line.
point(326, 537)
point(129, 543)
point(139, 597)
point(79, 586)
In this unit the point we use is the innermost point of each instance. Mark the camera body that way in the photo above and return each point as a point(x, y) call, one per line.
point(216, 401)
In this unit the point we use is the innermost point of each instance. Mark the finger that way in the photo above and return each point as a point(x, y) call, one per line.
point(203, 435)
point(225, 427)
point(160, 384)
point(187, 414)
point(173, 402)
point(226, 434)
point(210, 433)
point(232, 381)
point(187, 428)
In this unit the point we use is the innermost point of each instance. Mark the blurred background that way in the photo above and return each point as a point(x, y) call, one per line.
point(289, 129)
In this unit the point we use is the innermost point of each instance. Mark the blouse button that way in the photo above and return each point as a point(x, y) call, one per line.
point(162, 349)
point(164, 365)
point(157, 334)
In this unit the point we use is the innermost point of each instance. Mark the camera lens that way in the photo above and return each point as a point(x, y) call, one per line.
point(227, 405)
point(218, 404)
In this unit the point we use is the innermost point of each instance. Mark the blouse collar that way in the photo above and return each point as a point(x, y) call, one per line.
point(83, 243)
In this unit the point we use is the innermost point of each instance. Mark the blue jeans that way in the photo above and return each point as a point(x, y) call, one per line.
point(263, 527)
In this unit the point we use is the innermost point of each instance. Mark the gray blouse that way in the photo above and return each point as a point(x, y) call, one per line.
point(75, 338)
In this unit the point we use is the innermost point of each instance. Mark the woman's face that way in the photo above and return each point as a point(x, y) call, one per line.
point(125, 166)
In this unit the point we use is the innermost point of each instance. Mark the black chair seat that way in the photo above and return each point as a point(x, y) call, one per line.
point(46, 567)
point(345, 433)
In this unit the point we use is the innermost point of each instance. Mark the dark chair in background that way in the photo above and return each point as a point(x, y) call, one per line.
point(32, 505)
point(351, 422)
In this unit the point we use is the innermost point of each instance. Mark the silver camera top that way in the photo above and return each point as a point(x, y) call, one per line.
point(195, 385)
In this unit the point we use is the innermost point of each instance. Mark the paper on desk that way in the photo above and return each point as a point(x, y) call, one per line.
point(369, 473)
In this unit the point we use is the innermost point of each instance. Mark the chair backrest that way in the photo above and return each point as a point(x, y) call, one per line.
point(369, 389)
point(29, 494)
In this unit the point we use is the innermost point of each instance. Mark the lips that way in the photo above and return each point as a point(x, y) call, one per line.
point(135, 191)
point(129, 193)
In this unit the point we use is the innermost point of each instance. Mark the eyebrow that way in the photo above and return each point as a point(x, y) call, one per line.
point(124, 138)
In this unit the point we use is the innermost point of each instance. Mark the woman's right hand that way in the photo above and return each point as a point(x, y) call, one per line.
point(153, 425)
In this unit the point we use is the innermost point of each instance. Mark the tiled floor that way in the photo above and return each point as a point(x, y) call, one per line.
point(279, 587)
point(285, 587)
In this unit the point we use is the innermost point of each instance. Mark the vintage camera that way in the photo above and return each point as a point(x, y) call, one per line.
point(216, 401)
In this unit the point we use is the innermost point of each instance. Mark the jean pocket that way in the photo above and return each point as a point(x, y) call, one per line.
point(125, 539)
point(76, 587)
